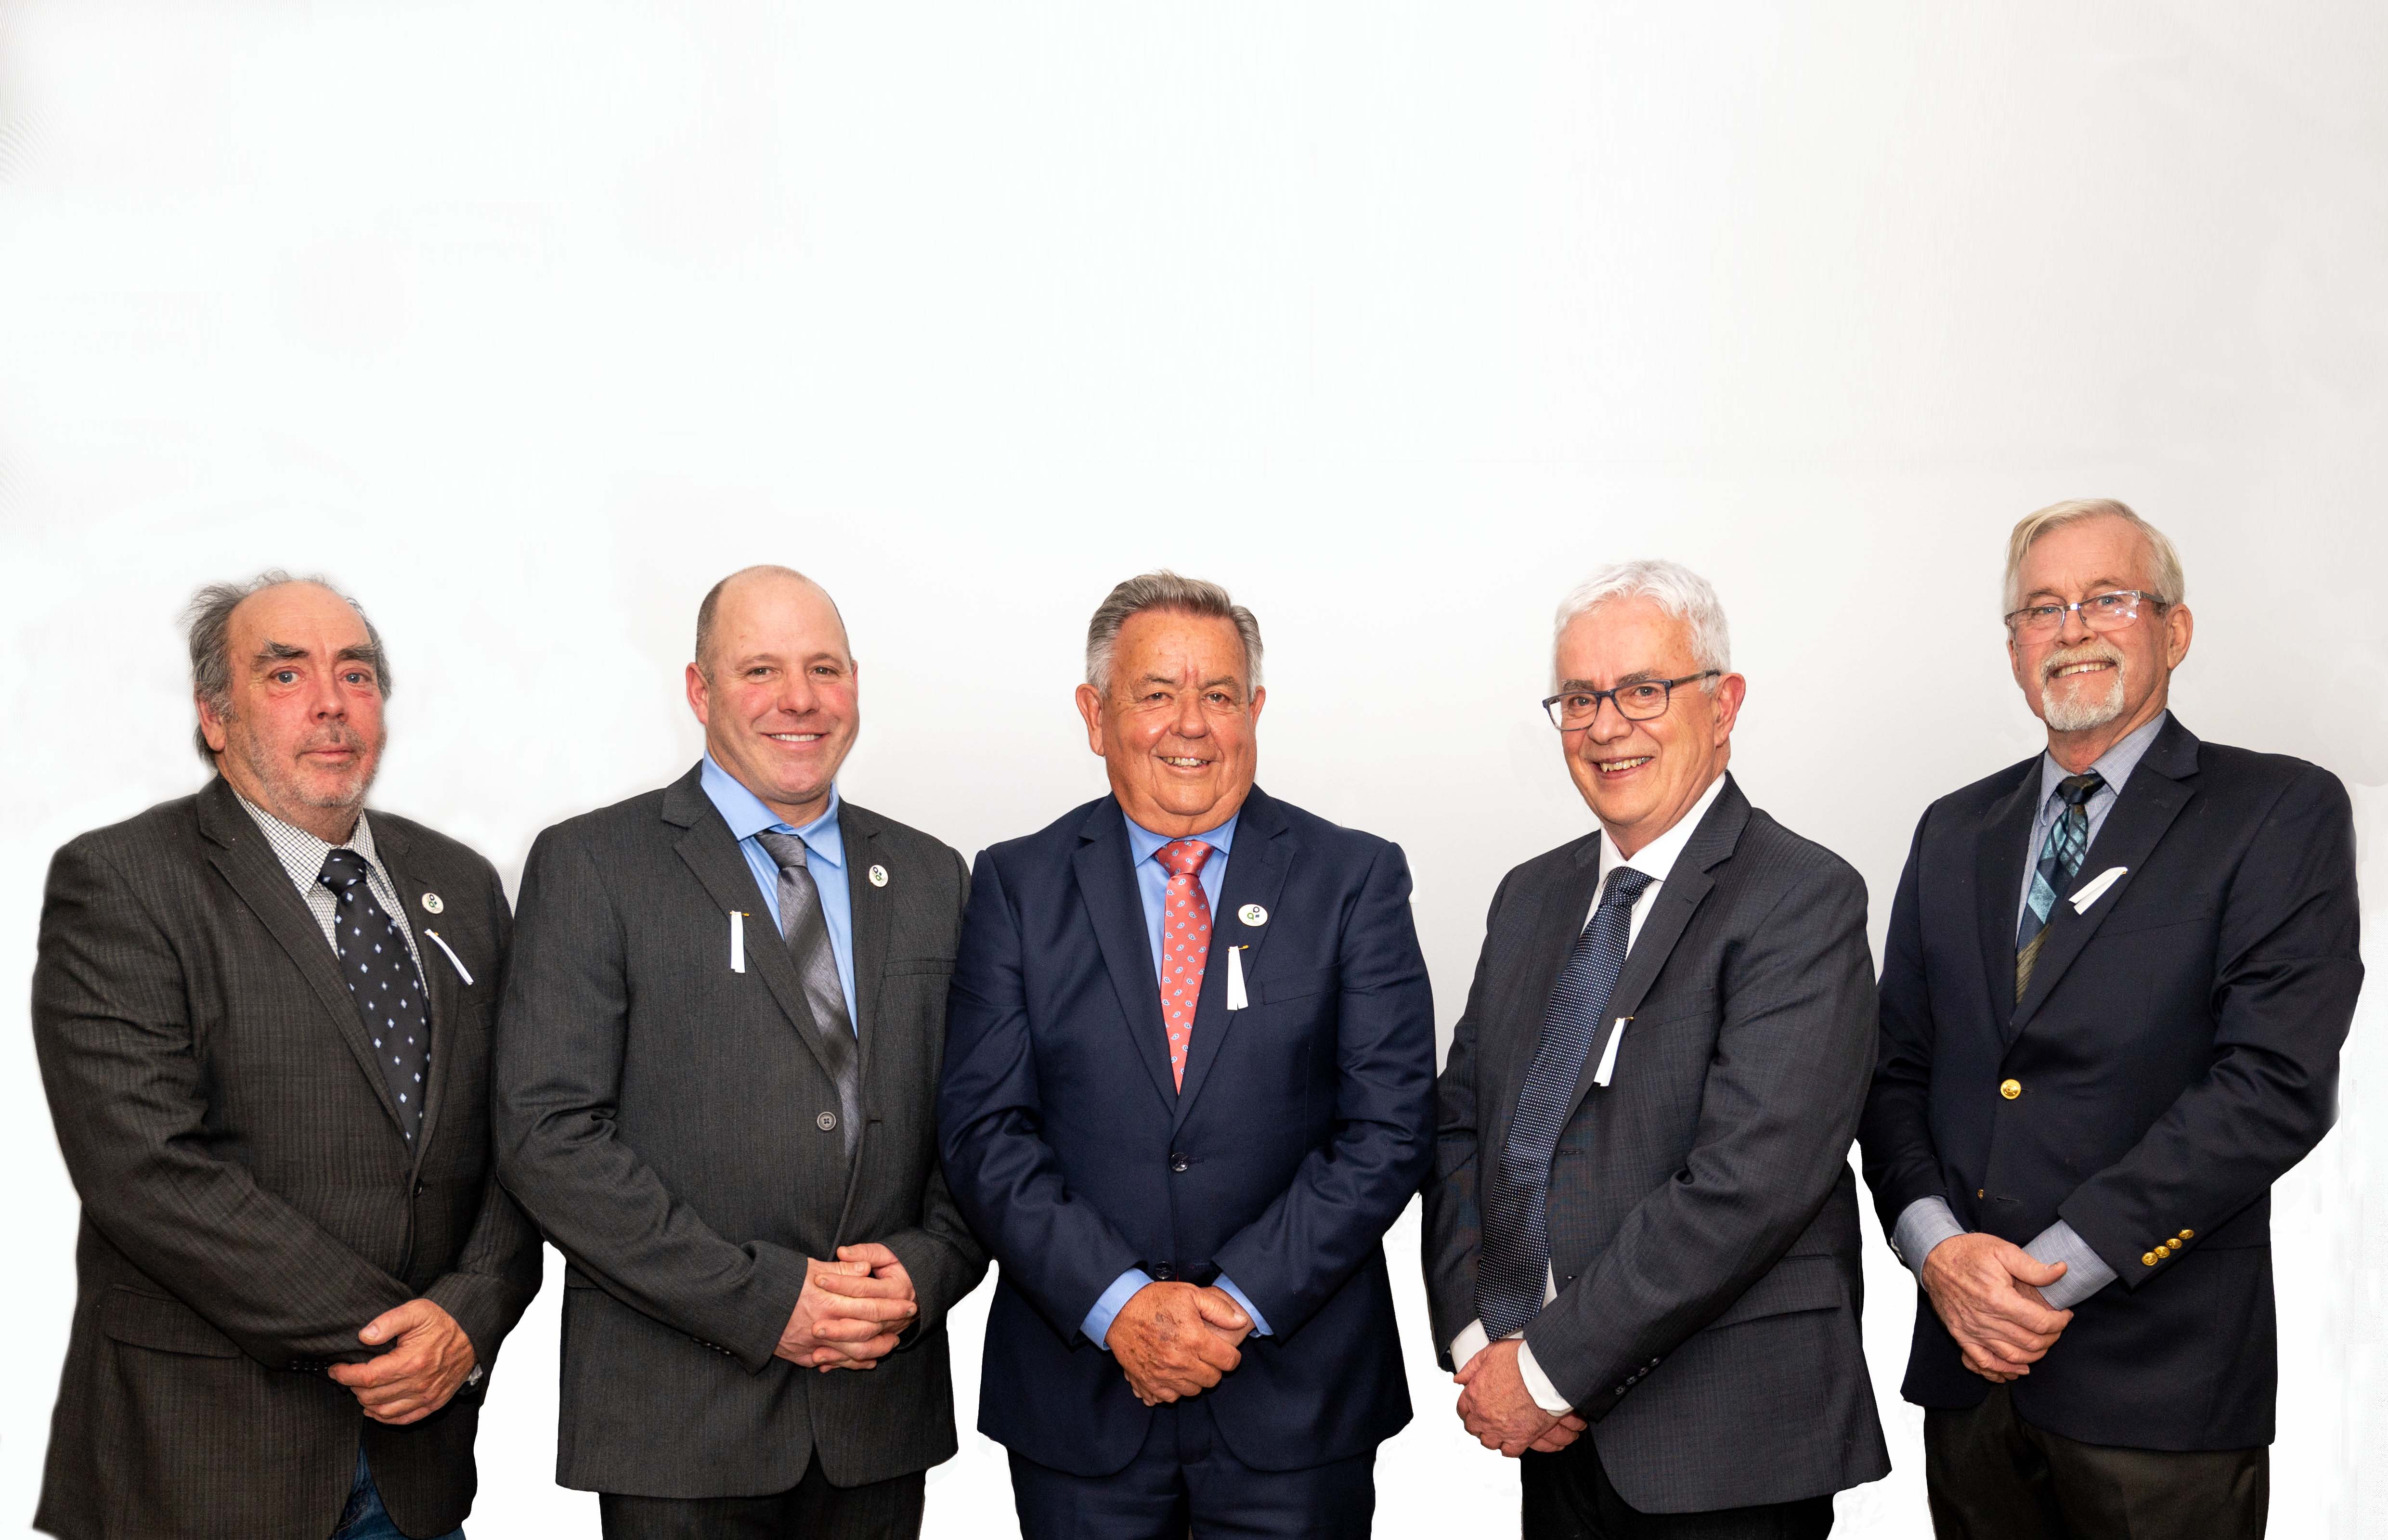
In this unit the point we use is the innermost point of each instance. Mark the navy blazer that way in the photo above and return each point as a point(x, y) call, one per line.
point(1304, 1127)
point(2176, 1053)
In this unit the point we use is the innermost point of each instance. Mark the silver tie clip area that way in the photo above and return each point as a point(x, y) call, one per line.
point(457, 962)
point(1608, 1055)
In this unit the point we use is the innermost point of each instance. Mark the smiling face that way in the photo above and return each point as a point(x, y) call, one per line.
point(2094, 688)
point(300, 732)
point(1641, 778)
point(777, 695)
point(1175, 728)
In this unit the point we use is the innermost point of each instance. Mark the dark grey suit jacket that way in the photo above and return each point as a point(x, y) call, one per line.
point(249, 1201)
point(659, 1116)
point(1702, 1217)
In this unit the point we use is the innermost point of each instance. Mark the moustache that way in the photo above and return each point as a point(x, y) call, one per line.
point(2086, 651)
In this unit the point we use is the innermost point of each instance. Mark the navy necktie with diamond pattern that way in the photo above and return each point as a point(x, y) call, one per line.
point(2060, 861)
point(1515, 1258)
point(806, 932)
point(380, 975)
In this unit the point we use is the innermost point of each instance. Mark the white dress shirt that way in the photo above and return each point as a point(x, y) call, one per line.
point(1653, 861)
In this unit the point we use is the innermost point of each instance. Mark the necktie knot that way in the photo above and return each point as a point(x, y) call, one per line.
point(788, 851)
point(342, 867)
point(2077, 790)
point(1624, 887)
point(1183, 858)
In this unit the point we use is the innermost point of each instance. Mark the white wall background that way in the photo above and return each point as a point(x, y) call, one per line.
point(525, 321)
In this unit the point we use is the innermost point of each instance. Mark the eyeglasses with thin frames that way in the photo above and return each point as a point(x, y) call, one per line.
point(1639, 701)
point(2100, 612)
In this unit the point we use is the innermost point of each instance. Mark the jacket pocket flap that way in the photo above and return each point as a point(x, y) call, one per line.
point(1796, 1283)
point(168, 1325)
point(1270, 991)
point(917, 965)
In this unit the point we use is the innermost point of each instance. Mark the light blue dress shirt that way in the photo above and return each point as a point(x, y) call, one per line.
point(747, 816)
point(1928, 1221)
point(1152, 887)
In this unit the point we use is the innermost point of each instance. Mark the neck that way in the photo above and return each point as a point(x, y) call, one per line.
point(795, 815)
point(332, 825)
point(1632, 840)
point(2077, 751)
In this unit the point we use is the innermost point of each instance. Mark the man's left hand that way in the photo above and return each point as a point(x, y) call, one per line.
point(885, 1268)
point(415, 1377)
point(1502, 1413)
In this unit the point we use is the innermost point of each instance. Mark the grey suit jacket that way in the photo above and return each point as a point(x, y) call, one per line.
point(1702, 1217)
point(249, 1201)
point(659, 1114)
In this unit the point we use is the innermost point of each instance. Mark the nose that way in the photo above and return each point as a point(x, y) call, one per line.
point(1190, 721)
point(327, 703)
point(1608, 724)
point(2074, 630)
point(797, 695)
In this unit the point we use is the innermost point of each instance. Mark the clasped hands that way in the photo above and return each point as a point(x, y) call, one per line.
point(1174, 1339)
point(1496, 1408)
point(851, 1311)
point(430, 1357)
point(1986, 1292)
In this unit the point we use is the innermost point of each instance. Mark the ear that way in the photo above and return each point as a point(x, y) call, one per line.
point(1726, 703)
point(1260, 698)
point(2179, 625)
point(699, 694)
point(211, 725)
point(1091, 707)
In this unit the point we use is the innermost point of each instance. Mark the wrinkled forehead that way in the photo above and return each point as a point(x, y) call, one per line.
point(1180, 648)
point(1623, 638)
point(2091, 552)
point(778, 613)
point(297, 615)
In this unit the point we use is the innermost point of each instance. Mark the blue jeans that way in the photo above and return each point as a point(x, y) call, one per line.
point(366, 1519)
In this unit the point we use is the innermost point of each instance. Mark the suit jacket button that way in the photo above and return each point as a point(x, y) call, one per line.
point(2189, 1235)
point(826, 1122)
point(2147, 1259)
point(1162, 1272)
point(1619, 1390)
point(2010, 1088)
point(1178, 1161)
point(418, 1189)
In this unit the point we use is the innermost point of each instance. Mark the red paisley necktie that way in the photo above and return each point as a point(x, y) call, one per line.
point(1184, 945)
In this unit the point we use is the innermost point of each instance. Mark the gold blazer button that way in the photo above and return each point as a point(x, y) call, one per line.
point(2010, 1088)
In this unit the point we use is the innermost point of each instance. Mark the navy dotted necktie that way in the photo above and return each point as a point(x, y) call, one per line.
point(2060, 863)
point(380, 975)
point(1516, 1259)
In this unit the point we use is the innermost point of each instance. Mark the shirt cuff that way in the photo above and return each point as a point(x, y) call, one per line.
point(2085, 1271)
point(1260, 1323)
point(1468, 1345)
point(1098, 1324)
point(1922, 1224)
point(1538, 1384)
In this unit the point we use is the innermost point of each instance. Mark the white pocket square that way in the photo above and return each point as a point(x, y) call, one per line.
point(2095, 887)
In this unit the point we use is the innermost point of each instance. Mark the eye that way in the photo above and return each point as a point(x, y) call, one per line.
point(1577, 703)
point(2110, 603)
point(359, 678)
point(1644, 694)
point(284, 676)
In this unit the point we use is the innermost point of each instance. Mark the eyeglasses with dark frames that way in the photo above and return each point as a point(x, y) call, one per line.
point(1637, 701)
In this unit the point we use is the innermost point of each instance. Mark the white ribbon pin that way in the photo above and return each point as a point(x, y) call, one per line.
point(1608, 1055)
point(2095, 888)
point(1237, 999)
point(455, 962)
point(737, 942)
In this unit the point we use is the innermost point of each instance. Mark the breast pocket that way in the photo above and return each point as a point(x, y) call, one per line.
point(1292, 986)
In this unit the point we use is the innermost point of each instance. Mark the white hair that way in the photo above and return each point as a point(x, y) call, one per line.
point(2164, 562)
point(1675, 588)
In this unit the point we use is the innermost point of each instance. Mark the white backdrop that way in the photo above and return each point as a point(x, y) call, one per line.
point(527, 321)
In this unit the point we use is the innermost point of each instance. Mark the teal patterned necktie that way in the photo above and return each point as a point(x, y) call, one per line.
point(2060, 863)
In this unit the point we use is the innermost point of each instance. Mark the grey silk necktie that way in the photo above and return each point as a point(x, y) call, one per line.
point(807, 936)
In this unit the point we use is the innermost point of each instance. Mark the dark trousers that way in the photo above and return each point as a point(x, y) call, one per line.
point(812, 1510)
point(1568, 1496)
point(1992, 1476)
point(1185, 1480)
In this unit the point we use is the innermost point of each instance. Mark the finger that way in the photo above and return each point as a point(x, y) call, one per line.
point(388, 1369)
point(861, 1307)
point(2023, 1264)
point(1466, 1373)
point(841, 1330)
point(861, 1286)
point(1219, 1307)
point(393, 1321)
point(870, 1253)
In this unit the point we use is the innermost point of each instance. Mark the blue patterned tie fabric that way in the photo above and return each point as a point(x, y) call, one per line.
point(1516, 1259)
point(2060, 863)
point(381, 978)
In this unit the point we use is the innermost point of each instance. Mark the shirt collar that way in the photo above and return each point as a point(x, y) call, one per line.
point(300, 853)
point(749, 815)
point(2113, 767)
point(1144, 842)
point(1656, 858)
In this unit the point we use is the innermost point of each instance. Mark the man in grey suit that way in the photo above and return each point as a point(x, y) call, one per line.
point(717, 1070)
point(1642, 1233)
point(262, 1017)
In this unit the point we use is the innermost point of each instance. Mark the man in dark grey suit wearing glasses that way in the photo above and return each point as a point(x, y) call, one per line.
point(717, 1067)
point(1642, 1230)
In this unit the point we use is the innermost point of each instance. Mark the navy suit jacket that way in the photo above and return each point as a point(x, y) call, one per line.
point(1304, 1125)
point(2176, 1053)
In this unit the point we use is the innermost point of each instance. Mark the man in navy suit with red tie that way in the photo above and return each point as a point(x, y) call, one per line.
point(1188, 1085)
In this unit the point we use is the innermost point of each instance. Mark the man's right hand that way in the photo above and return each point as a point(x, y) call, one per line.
point(1986, 1292)
point(1174, 1339)
point(853, 1328)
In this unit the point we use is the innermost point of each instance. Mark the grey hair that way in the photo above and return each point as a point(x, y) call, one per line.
point(1675, 588)
point(1167, 590)
point(206, 620)
point(2164, 562)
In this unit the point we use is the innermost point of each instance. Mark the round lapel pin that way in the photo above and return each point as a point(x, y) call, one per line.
point(433, 903)
point(879, 876)
point(1253, 914)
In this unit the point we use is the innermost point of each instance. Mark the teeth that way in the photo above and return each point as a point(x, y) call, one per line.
point(1180, 763)
point(795, 737)
point(2080, 667)
point(1619, 767)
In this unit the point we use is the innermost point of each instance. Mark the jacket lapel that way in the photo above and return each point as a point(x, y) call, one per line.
point(1672, 909)
point(872, 914)
point(438, 975)
point(1998, 884)
point(1565, 912)
point(1107, 885)
point(1256, 869)
point(2151, 800)
point(240, 853)
point(707, 846)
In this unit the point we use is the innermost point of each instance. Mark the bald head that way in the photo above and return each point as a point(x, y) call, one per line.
point(749, 584)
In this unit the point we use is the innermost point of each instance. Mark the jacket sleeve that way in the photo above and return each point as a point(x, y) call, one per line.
point(1778, 1109)
point(113, 1032)
point(1319, 1232)
point(558, 1077)
point(497, 1273)
point(1054, 1247)
point(1454, 1225)
point(943, 1258)
point(2286, 977)
point(1895, 1137)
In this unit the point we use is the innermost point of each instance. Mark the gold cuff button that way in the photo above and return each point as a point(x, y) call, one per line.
point(2010, 1088)
point(2189, 1235)
point(2147, 1259)
point(2164, 1250)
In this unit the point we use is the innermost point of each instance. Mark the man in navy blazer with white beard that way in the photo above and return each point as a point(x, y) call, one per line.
point(1188, 1085)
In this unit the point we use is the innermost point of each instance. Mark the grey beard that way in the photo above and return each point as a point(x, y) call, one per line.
point(2076, 715)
